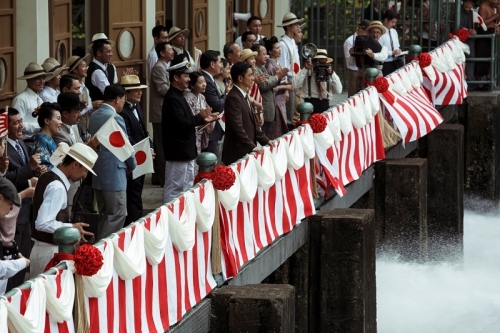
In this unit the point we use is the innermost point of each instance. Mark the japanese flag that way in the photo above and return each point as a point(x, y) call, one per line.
point(479, 20)
point(111, 136)
point(4, 122)
point(144, 159)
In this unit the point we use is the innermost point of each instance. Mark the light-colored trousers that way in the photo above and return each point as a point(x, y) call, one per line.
point(113, 207)
point(179, 177)
point(40, 256)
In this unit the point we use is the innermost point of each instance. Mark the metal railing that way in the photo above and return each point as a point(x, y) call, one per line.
point(493, 60)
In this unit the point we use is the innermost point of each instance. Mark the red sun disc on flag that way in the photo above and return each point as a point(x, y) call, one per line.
point(296, 68)
point(140, 157)
point(4, 123)
point(116, 139)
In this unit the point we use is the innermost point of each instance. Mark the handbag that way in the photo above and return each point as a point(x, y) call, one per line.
point(9, 252)
point(83, 210)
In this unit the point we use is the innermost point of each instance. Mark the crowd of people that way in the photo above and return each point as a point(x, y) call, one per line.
point(229, 103)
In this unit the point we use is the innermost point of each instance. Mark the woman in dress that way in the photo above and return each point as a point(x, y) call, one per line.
point(223, 80)
point(278, 127)
point(49, 119)
point(196, 100)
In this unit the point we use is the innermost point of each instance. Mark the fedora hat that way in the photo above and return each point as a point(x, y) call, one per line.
point(289, 19)
point(247, 53)
point(175, 31)
point(101, 36)
point(32, 70)
point(321, 54)
point(376, 24)
point(130, 82)
point(69, 101)
point(74, 61)
point(55, 62)
point(84, 155)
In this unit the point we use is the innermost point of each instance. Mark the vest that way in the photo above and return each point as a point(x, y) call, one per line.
point(62, 216)
point(94, 92)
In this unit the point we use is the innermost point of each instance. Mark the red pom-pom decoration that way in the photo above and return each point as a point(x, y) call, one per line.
point(317, 122)
point(463, 35)
point(223, 177)
point(88, 260)
point(381, 84)
point(424, 59)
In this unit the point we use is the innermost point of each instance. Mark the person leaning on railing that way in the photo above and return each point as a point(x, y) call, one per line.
point(353, 75)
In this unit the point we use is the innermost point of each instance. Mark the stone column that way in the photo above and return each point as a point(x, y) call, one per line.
point(482, 152)
point(401, 204)
point(253, 308)
point(445, 196)
point(347, 273)
point(32, 35)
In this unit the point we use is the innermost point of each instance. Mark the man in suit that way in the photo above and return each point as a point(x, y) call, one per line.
point(211, 65)
point(179, 132)
point(242, 129)
point(71, 108)
point(159, 84)
point(99, 74)
point(110, 184)
point(22, 172)
point(136, 131)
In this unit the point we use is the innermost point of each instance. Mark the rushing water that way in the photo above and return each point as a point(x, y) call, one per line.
point(445, 297)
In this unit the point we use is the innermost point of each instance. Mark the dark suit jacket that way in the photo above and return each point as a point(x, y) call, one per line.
point(216, 101)
point(136, 129)
point(19, 174)
point(242, 129)
point(178, 123)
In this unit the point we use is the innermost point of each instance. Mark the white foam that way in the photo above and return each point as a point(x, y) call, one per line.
point(445, 297)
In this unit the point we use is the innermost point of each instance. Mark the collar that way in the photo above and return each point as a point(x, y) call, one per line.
point(287, 39)
point(49, 89)
point(68, 127)
point(108, 106)
point(178, 50)
point(241, 91)
point(12, 142)
point(63, 177)
point(210, 75)
point(167, 64)
point(132, 106)
point(100, 64)
point(31, 92)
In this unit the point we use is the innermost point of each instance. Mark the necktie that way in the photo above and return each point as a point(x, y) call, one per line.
point(392, 44)
point(21, 152)
point(134, 110)
point(72, 134)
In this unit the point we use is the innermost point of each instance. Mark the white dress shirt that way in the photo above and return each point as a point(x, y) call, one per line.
point(99, 78)
point(385, 40)
point(349, 44)
point(152, 59)
point(55, 199)
point(289, 54)
point(190, 59)
point(9, 268)
point(85, 97)
point(334, 85)
point(240, 43)
point(26, 102)
point(49, 94)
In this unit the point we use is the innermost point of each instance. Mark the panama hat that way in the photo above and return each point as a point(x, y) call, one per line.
point(130, 82)
point(174, 32)
point(321, 54)
point(55, 62)
point(289, 19)
point(32, 70)
point(52, 69)
point(101, 36)
point(74, 61)
point(247, 53)
point(376, 24)
point(80, 152)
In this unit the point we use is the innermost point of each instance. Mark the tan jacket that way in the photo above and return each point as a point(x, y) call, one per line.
point(159, 83)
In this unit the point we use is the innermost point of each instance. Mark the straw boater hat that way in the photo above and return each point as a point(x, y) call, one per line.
point(321, 54)
point(376, 24)
point(174, 32)
point(247, 53)
point(130, 82)
point(101, 36)
point(53, 68)
point(73, 62)
point(289, 19)
point(32, 70)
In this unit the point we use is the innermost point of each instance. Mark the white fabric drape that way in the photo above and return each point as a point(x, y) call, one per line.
point(372, 91)
point(131, 262)
point(334, 125)
point(357, 115)
point(205, 210)
point(155, 242)
point(33, 320)
point(294, 151)
point(96, 285)
point(248, 180)
point(307, 138)
point(265, 170)
point(3, 316)
point(280, 159)
point(345, 119)
point(182, 230)
point(60, 308)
